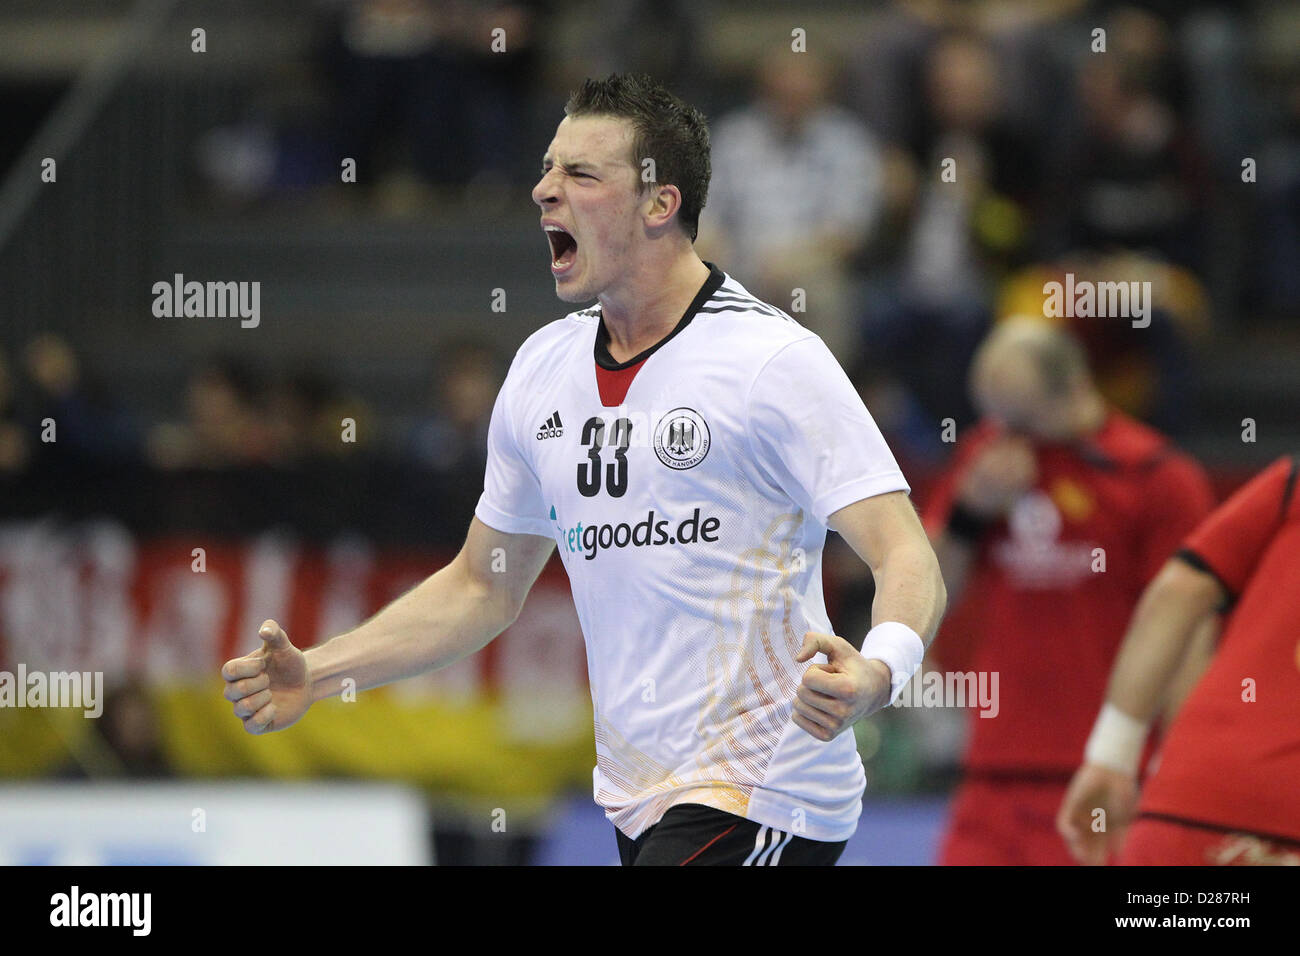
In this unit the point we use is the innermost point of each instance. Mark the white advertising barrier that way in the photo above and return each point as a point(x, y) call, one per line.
point(220, 824)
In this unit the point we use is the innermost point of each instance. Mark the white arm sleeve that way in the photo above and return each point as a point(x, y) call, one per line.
point(810, 431)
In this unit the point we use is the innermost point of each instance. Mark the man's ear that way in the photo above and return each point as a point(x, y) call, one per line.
point(662, 203)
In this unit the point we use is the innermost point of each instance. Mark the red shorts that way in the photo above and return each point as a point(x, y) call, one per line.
point(1153, 841)
point(1009, 821)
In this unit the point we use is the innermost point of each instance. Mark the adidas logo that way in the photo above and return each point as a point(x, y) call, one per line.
point(551, 428)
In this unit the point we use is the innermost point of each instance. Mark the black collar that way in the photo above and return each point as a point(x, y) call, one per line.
point(606, 361)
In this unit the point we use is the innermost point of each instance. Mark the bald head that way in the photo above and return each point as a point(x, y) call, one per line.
point(1034, 378)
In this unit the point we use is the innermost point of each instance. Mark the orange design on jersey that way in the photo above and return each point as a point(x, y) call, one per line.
point(750, 678)
point(1073, 500)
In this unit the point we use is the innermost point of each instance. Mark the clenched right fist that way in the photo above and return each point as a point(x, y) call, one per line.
point(271, 687)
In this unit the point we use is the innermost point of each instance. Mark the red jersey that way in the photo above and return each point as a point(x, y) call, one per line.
point(1057, 581)
point(1232, 756)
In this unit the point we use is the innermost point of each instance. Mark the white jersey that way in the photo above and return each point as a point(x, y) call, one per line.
point(690, 513)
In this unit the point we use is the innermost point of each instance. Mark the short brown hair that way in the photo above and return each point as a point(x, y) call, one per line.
point(664, 128)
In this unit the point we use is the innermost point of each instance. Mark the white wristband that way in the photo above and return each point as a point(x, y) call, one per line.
point(1116, 740)
point(899, 648)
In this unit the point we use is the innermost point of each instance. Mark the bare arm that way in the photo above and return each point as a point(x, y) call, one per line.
point(1197, 658)
point(450, 615)
point(886, 533)
point(1164, 651)
point(1170, 618)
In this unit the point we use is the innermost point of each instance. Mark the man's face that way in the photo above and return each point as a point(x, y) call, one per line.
point(591, 200)
point(1008, 391)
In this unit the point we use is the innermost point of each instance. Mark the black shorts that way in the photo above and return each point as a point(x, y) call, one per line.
point(690, 834)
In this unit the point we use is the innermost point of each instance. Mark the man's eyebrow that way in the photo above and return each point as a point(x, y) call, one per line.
point(580, 164)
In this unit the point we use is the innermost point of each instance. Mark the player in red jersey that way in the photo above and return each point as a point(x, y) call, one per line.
point(1053, 515)
point(1226, 788)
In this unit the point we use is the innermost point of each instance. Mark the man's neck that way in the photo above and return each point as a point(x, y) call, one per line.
point(649, 307)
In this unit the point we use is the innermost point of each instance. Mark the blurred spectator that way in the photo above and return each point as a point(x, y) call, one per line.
point(87, 424)
point(1054, 513)
point(235, 418)
point(419, 93)
point(305, 413)
point(126, 741)
point(974, 184)
point(663, 38)
point(225, 422)
point(996, 169)
point(429, 69)
point(450, 439)
point(914, 436)
point(1131, 174)
point(794, 196)
point(1213, 51)
point(14, 452)
point(886, 75)
point(1279, 221)
point(453, 430)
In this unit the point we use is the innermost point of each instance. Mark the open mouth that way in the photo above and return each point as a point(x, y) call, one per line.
point(564, 248)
